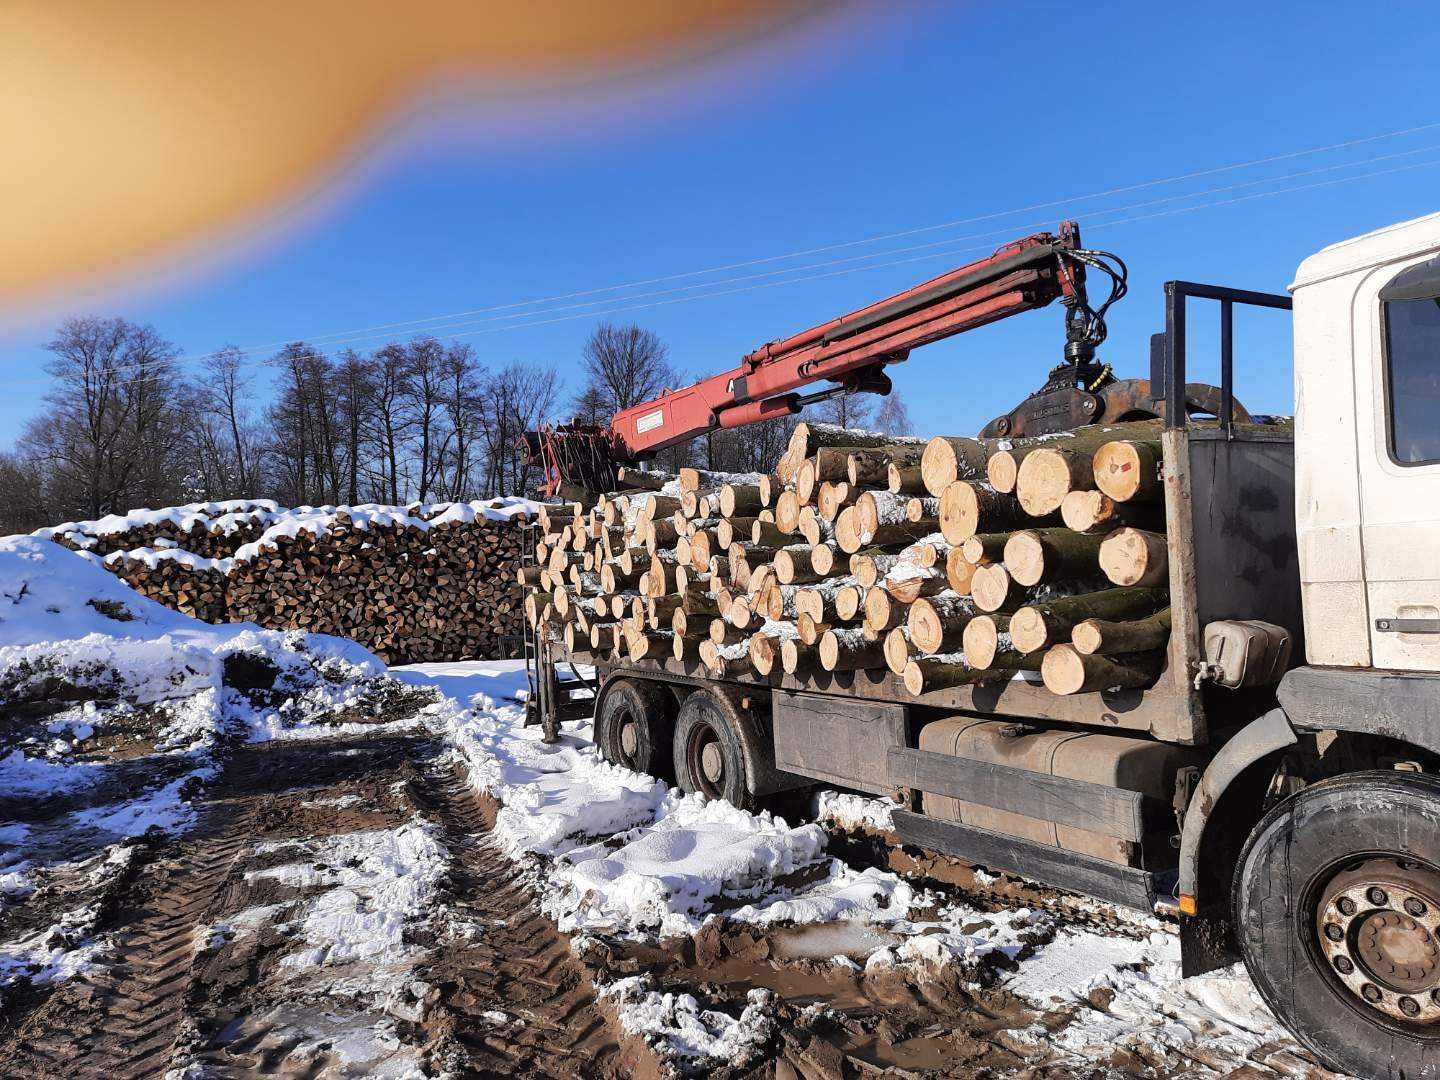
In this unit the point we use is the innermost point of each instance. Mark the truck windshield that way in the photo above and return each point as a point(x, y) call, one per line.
point(1412, 330)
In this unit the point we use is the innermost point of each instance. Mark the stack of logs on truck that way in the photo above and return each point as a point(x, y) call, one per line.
point(1004, 636)
point(957, 561)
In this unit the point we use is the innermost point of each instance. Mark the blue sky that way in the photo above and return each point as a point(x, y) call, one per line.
point(874, 125)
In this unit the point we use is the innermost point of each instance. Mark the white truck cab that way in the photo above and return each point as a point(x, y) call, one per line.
point(1367, 448)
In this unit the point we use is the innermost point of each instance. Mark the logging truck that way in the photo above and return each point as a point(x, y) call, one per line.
point(1233, 719)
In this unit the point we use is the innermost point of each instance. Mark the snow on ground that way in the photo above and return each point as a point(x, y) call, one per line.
point(125, 710)
point(618, 853)
point(621, 852)
point(613, 852)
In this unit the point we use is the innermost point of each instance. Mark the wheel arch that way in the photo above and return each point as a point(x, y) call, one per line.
point(1229, 784)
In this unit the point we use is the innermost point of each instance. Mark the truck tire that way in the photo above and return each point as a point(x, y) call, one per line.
point(709, 750)
point(1337, 913)
point(634, 726)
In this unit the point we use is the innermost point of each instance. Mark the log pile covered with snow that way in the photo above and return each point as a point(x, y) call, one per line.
point(430, 582)
point(951, 562)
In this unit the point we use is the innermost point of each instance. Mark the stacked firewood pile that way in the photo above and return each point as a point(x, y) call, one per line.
point(210, 533)
point(411, 584)
point(951, 562)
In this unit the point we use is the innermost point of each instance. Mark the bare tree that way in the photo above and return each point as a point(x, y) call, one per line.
point(624, 365)
point(305, 422)
point(229, 432)
point(353, 394)
point(111, 433)
point(389, 415)
point(845, 410)
point(893, 418)
point(516, 399)
point(424, 391)
point(461, 376)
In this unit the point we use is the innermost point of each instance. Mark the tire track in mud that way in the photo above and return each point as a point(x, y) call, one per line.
point(518, 963)
point(121, 1018)
point(131, 1014)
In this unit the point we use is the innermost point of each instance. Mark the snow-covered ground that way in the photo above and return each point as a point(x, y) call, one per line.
point(613, 855)
point(620, 854)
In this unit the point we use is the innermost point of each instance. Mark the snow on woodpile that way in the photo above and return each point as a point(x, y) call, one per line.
point(417, 582)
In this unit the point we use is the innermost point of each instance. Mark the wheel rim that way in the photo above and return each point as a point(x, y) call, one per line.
point(1376, 928)
point(627, 741)
point(705, 758)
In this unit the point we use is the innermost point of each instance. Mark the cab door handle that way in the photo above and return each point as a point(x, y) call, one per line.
point(1408, 626)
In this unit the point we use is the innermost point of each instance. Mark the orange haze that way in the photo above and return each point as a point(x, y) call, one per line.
point(138, 129)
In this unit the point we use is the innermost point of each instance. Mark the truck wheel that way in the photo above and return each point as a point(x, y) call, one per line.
point(709, 754)
point(1337, 911)
point(634, 726)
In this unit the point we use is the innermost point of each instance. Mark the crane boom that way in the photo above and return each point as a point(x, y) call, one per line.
point(849, 352)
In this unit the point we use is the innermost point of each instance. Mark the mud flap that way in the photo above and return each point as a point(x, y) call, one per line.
point(1207, 941)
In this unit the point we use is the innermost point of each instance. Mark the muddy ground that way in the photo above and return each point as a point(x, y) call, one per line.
point(265, 940)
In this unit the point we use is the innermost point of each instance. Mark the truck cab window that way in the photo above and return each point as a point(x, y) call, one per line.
point(1412, 330)
point(1411, 308)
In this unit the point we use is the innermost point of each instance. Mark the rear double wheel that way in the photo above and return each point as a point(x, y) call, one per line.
point(1337, 913)
point(710, 750)
point(635, 725)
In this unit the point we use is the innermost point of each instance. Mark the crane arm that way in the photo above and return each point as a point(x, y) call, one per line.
point(849, 353)
point(852, 350)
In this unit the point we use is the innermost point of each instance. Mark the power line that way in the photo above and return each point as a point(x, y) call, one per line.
point(627, 306)
point(1178, 178)
point(711, 287)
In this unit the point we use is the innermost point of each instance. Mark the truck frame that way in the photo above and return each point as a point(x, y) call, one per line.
point(1294, 823)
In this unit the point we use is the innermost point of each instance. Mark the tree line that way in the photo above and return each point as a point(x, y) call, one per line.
point(126, 426)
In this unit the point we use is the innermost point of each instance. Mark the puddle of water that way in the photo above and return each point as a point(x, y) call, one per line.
point(822, 941)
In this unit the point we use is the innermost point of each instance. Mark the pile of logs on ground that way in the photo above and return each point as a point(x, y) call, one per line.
point(953, 561)
point(408, 594)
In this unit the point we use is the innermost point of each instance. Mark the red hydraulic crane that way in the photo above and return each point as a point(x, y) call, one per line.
point(852, 351)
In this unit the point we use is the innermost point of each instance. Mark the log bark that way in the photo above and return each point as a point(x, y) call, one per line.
point(1038, 555)
point(971, 507)
point(984, 548)
point(1039, 626)
point(1095, 513)
point(947, 459)
point(871, 468)
point(739, 499)
point(849, 650)
point(926, 673)
point(1106, 637)
point(1066, 671)
point(905, 480)
point(937, 623)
